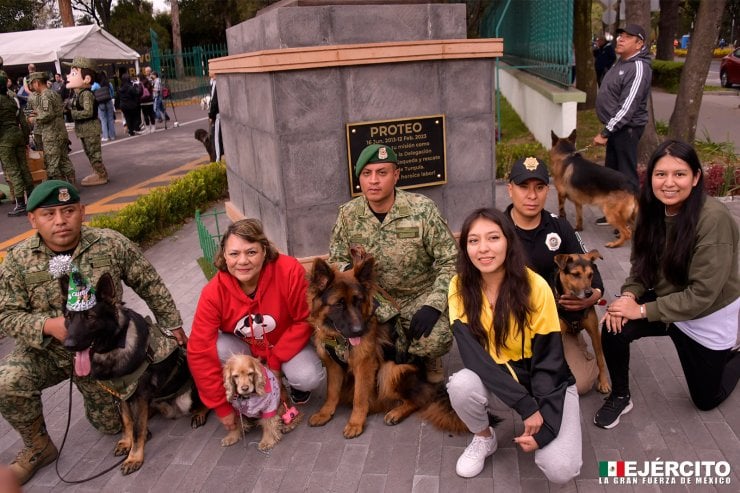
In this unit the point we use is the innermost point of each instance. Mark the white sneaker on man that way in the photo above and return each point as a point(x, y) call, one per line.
point(473, 459)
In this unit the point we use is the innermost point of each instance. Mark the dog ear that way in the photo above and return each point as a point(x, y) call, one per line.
point(105, 290)
point(554, 138)
point(365, 272)
point(322, 275)
point(258, 379)
point(358, 253)
point(561, 260)
point(593, 255)
point(572, 137)
point(229, 382)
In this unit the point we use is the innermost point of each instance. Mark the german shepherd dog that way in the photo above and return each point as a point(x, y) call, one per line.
point(352, 344)
point(585, 182)
point(573, 276)
point(115, 341)
point(205, 138)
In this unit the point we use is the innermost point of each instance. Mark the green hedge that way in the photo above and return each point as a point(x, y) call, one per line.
point(667, 75)
point(163, 207)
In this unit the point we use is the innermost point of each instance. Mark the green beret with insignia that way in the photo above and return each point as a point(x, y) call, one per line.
point(52, 193)
point(375, 153)
point(81, 62)
point(42, 76)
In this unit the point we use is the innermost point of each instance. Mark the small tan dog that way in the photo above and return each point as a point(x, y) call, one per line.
point(254, 391)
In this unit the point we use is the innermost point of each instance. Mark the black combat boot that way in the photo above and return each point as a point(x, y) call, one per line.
point(20, 208)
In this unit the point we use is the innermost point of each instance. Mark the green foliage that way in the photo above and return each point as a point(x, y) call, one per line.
point(167, 206)
point(667, 75)
point(512, 127)
point(131, 24)
point(711, 150)
point(16, 15)
point(661, 127)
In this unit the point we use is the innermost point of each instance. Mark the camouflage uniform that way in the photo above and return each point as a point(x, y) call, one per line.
point(50, 117)
point(415, 254)
point(13, 133)
point(87, 128)
point(34, 100)
point(29, 296)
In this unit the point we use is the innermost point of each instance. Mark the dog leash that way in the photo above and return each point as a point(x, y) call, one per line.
point(64, 440)
point(579, 151)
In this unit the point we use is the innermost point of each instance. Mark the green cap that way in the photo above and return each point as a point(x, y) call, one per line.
point(52, 193)
point(375, 153)
point(38, 76)
point(81, 62)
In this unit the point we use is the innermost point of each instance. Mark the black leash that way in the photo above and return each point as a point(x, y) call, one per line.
point(64, 440)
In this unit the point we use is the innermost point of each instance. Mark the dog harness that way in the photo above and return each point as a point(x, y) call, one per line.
point(260, 406)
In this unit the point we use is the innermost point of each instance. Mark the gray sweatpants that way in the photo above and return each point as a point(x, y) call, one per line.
point(560, 460)
point(303, 372)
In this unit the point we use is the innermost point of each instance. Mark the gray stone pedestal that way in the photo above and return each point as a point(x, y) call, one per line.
point(284, 128)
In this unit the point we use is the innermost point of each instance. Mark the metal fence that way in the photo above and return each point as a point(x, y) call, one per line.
point(538, 36)
point(194, 80)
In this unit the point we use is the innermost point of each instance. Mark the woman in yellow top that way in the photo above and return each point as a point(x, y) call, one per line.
point(505, 321)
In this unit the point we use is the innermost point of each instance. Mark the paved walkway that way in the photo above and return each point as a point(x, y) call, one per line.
point(409, 457)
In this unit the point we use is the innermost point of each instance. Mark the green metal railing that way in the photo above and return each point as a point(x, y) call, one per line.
point(194, 81)
point(538, 36)
point(208, 242)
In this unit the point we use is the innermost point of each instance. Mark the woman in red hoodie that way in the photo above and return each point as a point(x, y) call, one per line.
point(256, 304)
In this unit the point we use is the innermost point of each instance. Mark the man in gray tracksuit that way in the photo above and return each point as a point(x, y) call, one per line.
point(621, 103)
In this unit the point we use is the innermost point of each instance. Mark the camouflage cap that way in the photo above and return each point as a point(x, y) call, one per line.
point(52, 193)
point(527, 168)
point(42, 76)
point(375, 153)
point(81, 62)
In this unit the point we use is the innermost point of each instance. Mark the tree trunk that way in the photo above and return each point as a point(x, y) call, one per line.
point(585, 72)
point(176, 39)
point(667, 29)
point(638, 12)
point(691, 87)
point(65, 11)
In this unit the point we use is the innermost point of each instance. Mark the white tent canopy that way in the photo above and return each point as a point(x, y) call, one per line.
point(54, 45)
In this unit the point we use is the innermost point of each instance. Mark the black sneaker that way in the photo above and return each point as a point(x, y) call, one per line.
point(614, 406)
point(300, 396)
point(19, 210)
point(602, 222)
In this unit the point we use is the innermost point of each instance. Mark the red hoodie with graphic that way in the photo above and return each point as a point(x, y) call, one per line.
point(273, 324)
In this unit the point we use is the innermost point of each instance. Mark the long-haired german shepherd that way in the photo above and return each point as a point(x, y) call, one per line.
point(585, 182)
point(114, 342)
point(352, 343)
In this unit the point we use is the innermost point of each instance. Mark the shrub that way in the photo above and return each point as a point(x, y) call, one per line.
point(667, 75)
point(167, 206)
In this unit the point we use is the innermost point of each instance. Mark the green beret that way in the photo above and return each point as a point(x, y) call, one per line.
point(52, 193)
point(375, 153)
point(43, 76)
point(81, 62)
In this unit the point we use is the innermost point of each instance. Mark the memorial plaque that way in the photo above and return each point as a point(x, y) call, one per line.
point(419, 143)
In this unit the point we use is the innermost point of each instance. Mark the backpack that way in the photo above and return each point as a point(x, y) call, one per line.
point(146, 96)
point(102, 95)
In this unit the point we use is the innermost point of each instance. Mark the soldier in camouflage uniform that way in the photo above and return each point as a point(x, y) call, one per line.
point(34, 100)
point(85, 115)
point(31, 312)
point(49, 120)
point(414, 250)
point(13, 135)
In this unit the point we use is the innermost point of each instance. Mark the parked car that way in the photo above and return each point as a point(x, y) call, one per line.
point(729, 69)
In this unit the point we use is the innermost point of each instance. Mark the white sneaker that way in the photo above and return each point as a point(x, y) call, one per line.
point(473, 459)
point(103, 140)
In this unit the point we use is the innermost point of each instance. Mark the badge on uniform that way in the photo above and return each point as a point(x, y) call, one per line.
point(64, 195)
point(383, 153)
point(553, 241)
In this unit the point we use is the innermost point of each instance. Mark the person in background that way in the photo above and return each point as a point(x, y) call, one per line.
point(13, 139)
point(683, 284)
point(505, 322)
point(129, 96)
point(604, 57)
point(147, 104)
point(106, 109)
point(215, 120)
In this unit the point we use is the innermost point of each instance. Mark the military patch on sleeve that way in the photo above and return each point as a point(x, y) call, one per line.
point(45, 104)
point(410, 232)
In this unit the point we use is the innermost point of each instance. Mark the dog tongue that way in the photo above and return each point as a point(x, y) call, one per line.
point(82, 363)
point(354, 340)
